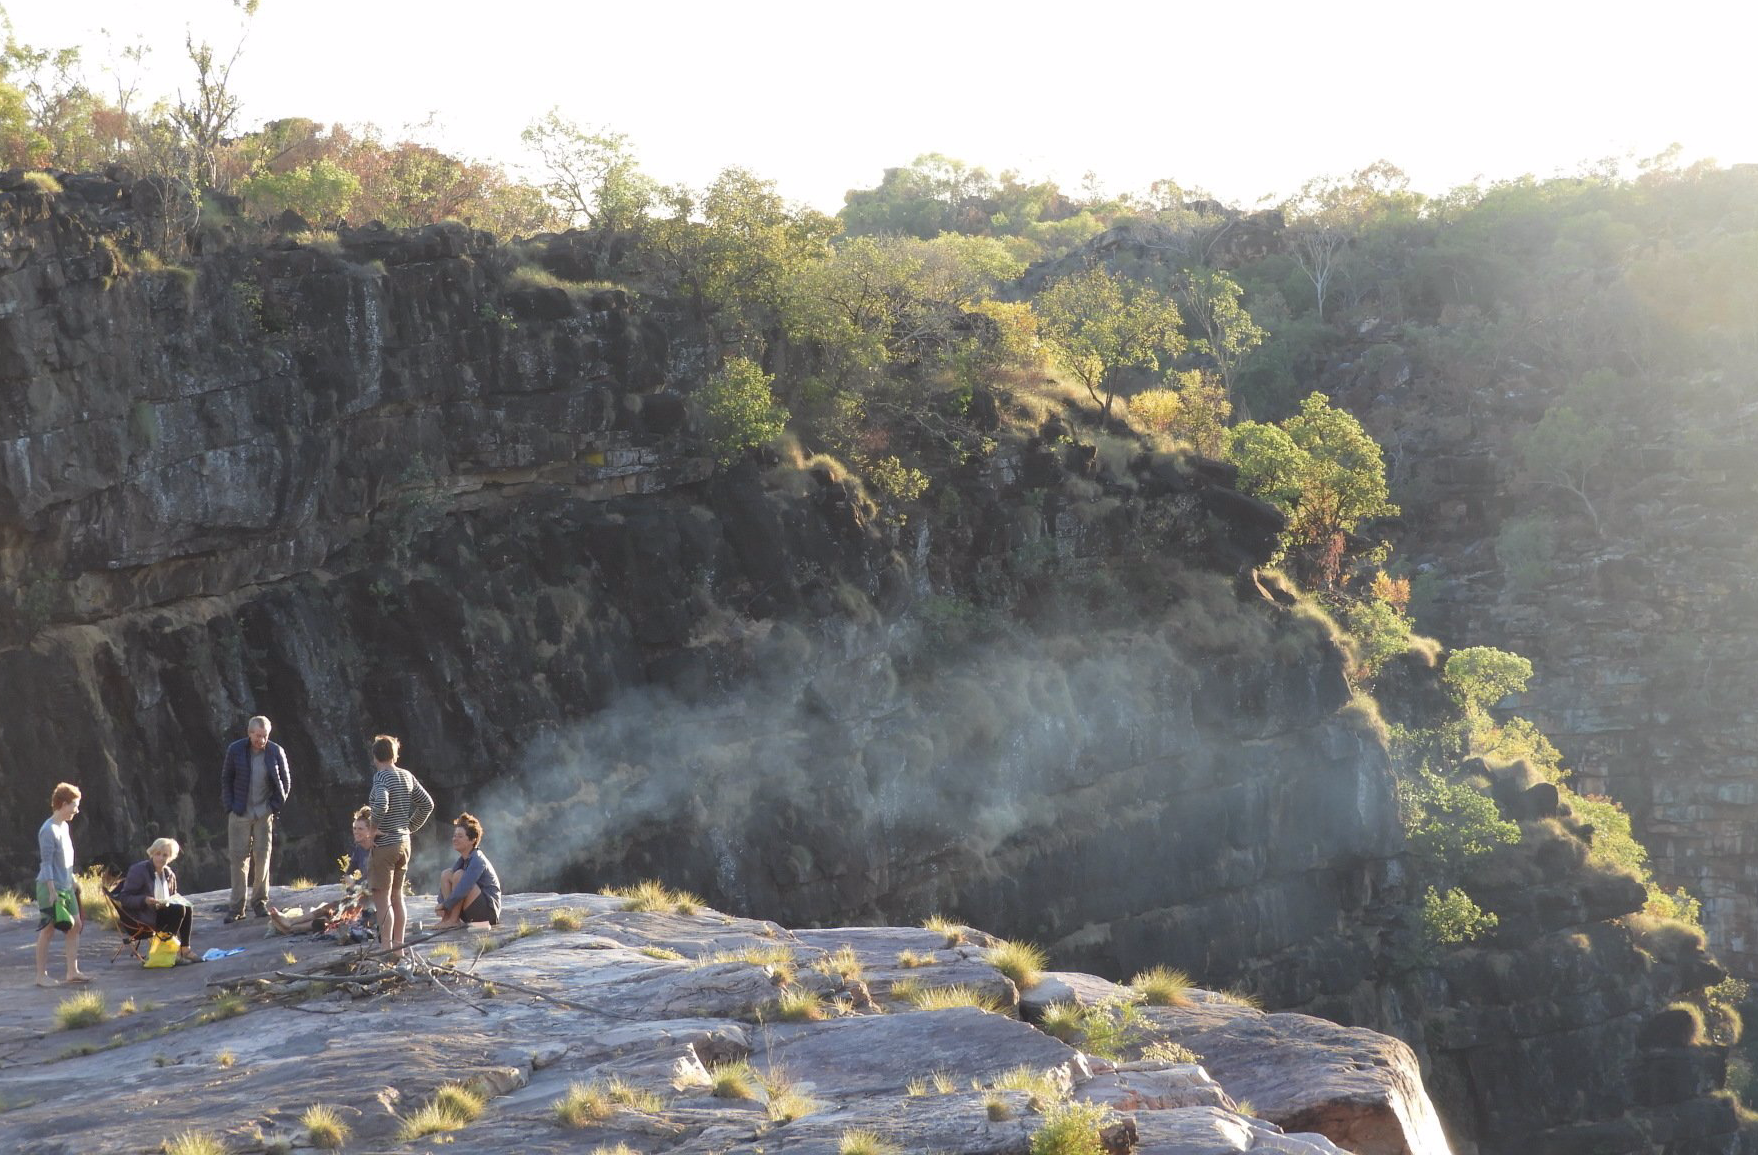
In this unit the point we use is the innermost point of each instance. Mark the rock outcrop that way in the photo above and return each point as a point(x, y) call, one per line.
point(672, 1019)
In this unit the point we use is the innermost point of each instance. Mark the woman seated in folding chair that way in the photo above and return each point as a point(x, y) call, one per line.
point(149, 895)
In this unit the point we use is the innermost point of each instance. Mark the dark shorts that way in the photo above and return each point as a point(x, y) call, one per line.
point(481, 910)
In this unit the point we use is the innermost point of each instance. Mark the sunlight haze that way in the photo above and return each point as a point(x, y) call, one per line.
point(1243, 102)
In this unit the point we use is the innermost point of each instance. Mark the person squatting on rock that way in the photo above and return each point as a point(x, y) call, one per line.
point(471, 890)
point(149, 895)
point(254, 783)
point(348, 919)
point(400, 807)
point(55, 878)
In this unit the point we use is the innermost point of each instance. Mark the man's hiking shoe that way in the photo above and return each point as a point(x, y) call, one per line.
point(259, 909)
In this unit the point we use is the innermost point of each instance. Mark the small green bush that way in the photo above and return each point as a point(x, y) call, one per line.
point(1452, 918)
point(738, 409)
point(1071, 1128)
point(1166, 1051)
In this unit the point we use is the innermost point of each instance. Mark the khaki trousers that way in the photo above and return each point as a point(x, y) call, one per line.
point(248, 844)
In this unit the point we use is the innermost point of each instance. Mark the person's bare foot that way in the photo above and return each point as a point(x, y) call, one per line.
point(78, 977)
point(47, 981)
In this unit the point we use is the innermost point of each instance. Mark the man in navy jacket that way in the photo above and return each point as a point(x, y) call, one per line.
point(254, 784)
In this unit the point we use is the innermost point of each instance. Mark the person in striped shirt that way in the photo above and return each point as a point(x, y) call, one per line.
point(400, 807)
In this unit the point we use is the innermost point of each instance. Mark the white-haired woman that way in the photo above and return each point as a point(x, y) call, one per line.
point(149, 895)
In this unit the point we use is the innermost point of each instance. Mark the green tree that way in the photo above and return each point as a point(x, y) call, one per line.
point(1210, 300)
point(594, 179)
point(737, 409)
point(320, 191)
point(1564, 450)
point(1100, 327)
point(735, 251)
point(1481, 676)
point(1322, 469)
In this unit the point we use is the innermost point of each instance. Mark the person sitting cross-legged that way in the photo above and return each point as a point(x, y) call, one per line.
point(470, 891)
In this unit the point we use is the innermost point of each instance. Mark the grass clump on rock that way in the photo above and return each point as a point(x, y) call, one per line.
point(842, 964)
point(653, 896)
point(859, 1142)
point(225, 1005)
point(1071, 1128)
point(192, 1143)
point(566, 918)
point(1106, 1030)
point(1020, 961)
point(1042, 1087)
point(775, 956)
point(324, 1127)
point(663, 953)
point(451, 1107)
point(11, 904)
point(784, 1101)
point(598, 1100)
point(1238, 998)
point(734, 1080)
point(953, 932)
point(85, 1009)
point(1162, 986)
point(910, 959)
point(947, 998)
point(798, 1005)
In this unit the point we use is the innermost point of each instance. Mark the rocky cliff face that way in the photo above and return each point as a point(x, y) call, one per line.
point(1640, 630)
point(374, 486)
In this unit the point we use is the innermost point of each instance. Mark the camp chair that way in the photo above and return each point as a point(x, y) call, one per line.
point(133, 932)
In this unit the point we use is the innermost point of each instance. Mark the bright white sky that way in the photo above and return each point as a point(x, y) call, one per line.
point(1243, 100)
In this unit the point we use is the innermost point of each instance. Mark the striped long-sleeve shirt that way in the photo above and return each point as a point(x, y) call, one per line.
point(400, 805)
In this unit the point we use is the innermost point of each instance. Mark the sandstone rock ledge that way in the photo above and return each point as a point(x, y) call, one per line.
point(638, 996)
